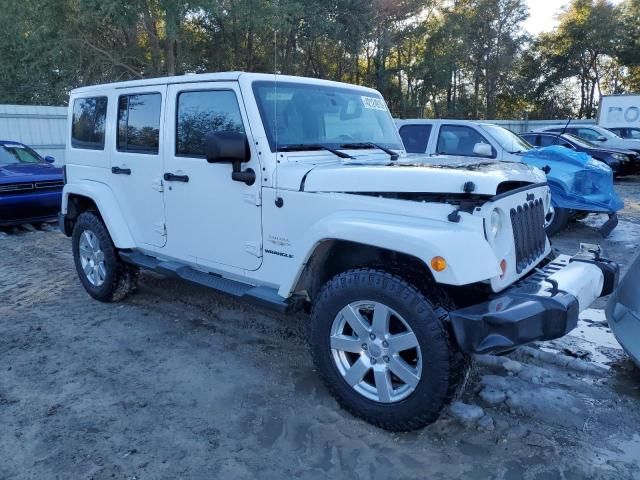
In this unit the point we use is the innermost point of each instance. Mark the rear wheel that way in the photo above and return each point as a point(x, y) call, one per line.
point(104, 276)
point(382, 350)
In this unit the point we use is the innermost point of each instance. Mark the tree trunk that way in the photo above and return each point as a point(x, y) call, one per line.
point(172, 23)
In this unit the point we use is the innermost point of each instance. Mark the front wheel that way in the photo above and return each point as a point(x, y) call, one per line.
point(382, 351)
point(556, 220)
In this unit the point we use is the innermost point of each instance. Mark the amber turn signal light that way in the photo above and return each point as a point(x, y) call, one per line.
point(438, 264)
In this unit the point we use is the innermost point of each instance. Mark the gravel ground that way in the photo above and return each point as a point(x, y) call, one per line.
point(180, 382)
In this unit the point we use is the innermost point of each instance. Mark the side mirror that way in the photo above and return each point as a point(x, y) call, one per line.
point(226, 147)
point(49, 159)
point(230, 147)
point(601, 139)
point(483, 150)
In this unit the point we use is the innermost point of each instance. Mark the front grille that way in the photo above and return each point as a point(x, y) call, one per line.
point(528, 233)
point(16, 187)
point(50, 184)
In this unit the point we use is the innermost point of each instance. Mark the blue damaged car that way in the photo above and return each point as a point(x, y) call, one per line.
point(30, 186)
point(579, 185)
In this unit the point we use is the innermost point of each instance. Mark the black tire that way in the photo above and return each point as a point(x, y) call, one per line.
point(559, 220)
point(121, 279)
point(444, 369)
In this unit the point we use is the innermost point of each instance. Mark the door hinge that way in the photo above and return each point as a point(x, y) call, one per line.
point(254, 198)
point(160, 228)
point(254, 248)
point(157, 185)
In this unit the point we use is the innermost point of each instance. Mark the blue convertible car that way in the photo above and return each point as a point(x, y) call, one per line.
point(30, 186)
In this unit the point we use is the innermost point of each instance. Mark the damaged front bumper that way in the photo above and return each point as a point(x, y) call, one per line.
point(543, 306)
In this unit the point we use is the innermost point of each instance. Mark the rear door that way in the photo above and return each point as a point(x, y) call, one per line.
point(136, 162)
point(212, 220)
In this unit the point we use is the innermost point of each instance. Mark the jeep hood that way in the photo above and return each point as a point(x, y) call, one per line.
point(415, 173)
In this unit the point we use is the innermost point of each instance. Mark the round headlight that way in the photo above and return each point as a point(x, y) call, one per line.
point(620, 157)
point(496, 222)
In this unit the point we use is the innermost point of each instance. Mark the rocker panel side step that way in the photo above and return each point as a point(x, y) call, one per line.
point(262, 296)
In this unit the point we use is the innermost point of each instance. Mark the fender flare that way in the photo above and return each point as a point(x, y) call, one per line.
point(469, 256)
point(106, 201)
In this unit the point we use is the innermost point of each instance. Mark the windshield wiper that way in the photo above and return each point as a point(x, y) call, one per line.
point(392, 154)
point(300, 147)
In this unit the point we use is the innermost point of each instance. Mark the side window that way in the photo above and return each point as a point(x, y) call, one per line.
point(588, 134)
point(415, 137)
point(459, 140)
point(87, 123)
point(139, 123)
point(633, 133)
point(203, 112)
point(532, 139)
point(546, 140)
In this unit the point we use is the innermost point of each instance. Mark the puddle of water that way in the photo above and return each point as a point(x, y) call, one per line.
point(592, 336)
point(592, 327)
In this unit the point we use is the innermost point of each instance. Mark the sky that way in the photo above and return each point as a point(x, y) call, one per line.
point(543, 12)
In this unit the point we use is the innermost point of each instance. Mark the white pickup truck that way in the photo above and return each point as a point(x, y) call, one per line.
point(461, 138)
point(296, 193)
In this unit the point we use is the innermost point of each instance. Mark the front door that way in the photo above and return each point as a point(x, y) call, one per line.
point(212, 220)
point(136, 163)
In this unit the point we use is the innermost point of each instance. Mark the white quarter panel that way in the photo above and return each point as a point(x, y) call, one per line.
point(422, 230)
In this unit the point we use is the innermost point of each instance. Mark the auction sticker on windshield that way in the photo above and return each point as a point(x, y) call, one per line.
point(374, 103)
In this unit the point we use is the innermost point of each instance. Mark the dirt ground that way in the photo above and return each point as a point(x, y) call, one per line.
point(180, 382)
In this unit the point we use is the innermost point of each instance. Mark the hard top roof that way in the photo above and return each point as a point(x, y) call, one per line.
point(207, 77)
point(417, 121)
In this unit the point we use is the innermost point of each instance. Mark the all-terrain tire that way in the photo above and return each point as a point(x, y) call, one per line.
point(121, 279)
point(444, 367)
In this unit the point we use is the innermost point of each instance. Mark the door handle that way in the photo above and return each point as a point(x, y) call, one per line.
point(171, 177)
point(120, 171)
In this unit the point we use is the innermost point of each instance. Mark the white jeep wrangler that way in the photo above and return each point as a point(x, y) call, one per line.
point(297, 193)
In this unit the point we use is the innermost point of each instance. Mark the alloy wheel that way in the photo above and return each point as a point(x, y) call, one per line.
point(376, 351)
point(92, 258)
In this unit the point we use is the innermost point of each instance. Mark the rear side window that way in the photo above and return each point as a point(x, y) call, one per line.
point(632, 133)
point(547, 140)
point(415, 137)
point(203, 112)
point(459, 140)
point(588, 134)
point(532, 139)
point(87, 128)
point(139, 123)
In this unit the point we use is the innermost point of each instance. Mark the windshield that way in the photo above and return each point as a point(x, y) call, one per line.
point(14, 154)
point(296, 114)
point(581, 142)
point(508, 140)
